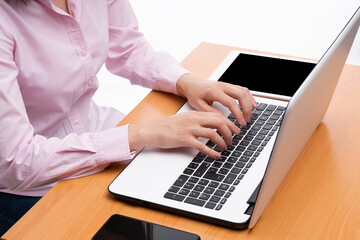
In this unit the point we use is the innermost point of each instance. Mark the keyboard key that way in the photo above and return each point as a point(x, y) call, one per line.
point(227, 195)
point(174, 196)
point(260, 137)
point(210, 205)
point(198, 160)
point(219, 193)
point(230, 178)
point(204, 196)
point(256, 142)
point(203, 182)
point(215, 177)
point(244, 143)
point(223, 171)
point(232, 159)
point(261, 106)
point(202, 169)
point(184, 191)
point(195, 201)
point(244, 159)
point(209, 160)
point(228, 165)
point(214, 184)
point(240, 148)
point(193, 165)
point(248, 153)
point(271, 108)
point(252, 148)
point(193, 179)
point(235, 170)
point(215, 199)
point(218, 207)
point(235, 155)
point(267, 113)
point(188, 171)
point(209, 190)
point(199, 188)
point(189, 185)
point(217, 164)
point(174, 189)
point(194, 194)
point(225, 153)
point(181, 180)
point(240, 164)
point(253, 159)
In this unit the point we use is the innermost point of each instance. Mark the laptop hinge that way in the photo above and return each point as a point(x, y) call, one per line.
point(252, 200)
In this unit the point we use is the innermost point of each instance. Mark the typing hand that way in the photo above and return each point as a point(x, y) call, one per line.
point(201, 94)
point(183, 130)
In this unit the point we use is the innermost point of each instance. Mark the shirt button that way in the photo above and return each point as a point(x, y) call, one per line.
point(83, 53)
point(90, 82)
point(76, 121)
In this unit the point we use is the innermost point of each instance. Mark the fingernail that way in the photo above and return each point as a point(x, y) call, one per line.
point(242, 122)
point(248, 119)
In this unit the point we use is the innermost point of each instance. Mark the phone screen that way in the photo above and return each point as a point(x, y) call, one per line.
point(267, 74)
point(120, 227)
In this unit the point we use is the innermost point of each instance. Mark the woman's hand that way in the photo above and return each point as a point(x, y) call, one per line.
point(183, 130)
point(201, 94)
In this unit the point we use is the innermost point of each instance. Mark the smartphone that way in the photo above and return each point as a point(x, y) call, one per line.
point(119, 227)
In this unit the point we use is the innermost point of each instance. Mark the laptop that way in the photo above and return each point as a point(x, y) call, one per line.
point(234, 190)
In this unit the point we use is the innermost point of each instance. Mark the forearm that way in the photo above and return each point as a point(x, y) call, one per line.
point(38, 163)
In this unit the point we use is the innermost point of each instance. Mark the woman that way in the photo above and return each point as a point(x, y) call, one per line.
point(50, 128)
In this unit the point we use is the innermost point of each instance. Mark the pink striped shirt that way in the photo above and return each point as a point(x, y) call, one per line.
point(50, 129)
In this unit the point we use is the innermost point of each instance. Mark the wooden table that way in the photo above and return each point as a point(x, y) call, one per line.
point(319, 198)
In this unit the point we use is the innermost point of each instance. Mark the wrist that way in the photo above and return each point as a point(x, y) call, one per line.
point(183, 82)
point(136, 137)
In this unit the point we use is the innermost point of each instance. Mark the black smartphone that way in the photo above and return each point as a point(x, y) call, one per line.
point(119, 227)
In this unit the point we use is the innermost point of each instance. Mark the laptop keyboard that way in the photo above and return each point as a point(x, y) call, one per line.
point(208, 182)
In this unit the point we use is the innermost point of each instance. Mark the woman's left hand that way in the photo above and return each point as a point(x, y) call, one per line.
point(201, 94)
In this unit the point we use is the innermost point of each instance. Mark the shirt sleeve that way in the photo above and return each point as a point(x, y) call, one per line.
point(132, 57)
point(31, 164)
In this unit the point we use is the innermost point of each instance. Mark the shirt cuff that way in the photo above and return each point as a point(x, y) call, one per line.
point(113, 145)
point(169, 77)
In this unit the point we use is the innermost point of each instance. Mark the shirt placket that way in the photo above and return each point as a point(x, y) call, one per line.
point(78, 41)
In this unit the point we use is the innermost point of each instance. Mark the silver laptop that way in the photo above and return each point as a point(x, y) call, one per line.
point(233, 191)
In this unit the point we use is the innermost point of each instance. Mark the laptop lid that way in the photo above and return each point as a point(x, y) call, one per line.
point(305, 111)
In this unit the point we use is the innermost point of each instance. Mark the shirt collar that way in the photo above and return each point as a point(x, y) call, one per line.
point(74, 7)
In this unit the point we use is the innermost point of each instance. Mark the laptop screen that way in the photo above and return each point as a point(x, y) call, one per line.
point(267, 74)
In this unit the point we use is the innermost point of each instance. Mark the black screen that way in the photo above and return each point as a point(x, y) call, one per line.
point(267, 74)
point(119, 227)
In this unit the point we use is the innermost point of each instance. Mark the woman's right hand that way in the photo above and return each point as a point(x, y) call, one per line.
point(183, 130)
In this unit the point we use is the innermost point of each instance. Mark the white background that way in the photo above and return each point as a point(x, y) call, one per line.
point(302, 28)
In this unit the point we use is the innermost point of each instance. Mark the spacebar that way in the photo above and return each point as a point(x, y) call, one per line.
point(214, 176)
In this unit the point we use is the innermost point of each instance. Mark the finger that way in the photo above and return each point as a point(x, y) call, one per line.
point(206, 107)
point(226, 129)
point(218, 121)
point(212, 135)
point(200, 146)
point(230, 102)
point(245, 99)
